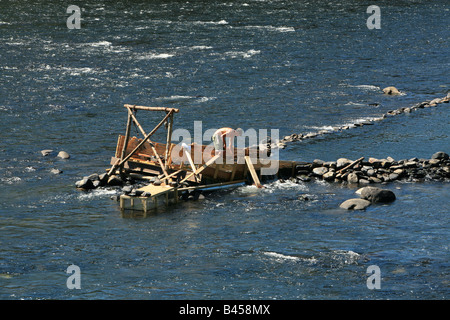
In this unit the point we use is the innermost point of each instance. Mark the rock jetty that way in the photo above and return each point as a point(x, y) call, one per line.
point(372, 170)
point(282, 143)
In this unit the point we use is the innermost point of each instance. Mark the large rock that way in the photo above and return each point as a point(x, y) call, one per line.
point(377, 195)
point(434, 102)
point(103, 178)
point(46, 152)
point(355, 204)
point(391, 90)
point(440, 155)
point(115, 180)
point(63, 155)
point(342, 162)
point(320, 171)
point(84, 184)
point(56, 171)
point(352, 178)
point(329, 176)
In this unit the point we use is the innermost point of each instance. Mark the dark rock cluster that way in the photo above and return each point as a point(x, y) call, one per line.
point(95, 180)
point(374, 170)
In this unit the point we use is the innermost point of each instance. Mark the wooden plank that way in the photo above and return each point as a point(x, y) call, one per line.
point(350, 165)
point(207, 164)
point(188, 156)
point(253, 172)
point(156, 190)
point(233, 173)
point(171, 175)
point(216, 171)
point(151, 108)
point(212, 185)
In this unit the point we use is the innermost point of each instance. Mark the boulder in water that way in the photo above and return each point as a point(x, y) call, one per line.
point(115, 180)
point(355, 204)
point(85, 184)
point(377, 195)
point(352, 178)
point(440, 155)
point(320, 171)
point(391, 91)
point(342, 162)
point(46, 152)
point(55, 171)
point(63, 155)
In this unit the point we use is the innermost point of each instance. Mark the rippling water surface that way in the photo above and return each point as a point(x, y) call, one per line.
point(296, 66)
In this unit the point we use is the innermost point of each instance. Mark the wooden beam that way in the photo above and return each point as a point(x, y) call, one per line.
point(233, 173)
point(203, 167)
point(350, 165)
point(125, 142)
point(168, 143)
point(188, 156)
point(170, 175)
point(253, 172)
point(212, 185)
point(141, 143)
point(131, 114)
point(152, 108)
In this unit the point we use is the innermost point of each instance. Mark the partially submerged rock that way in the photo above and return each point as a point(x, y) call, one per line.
point(56, 171)
point(355, 204)
point(391, 91)
point(85, 184)
point(63, 155)
point(440, 155)
point(46, 152)
point(377, 195)
point(115, 180)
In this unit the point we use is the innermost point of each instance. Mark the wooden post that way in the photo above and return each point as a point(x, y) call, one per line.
point(125, 142)
point(122, 204)
point(188, 156)
point(233, 172)
point(152, 108)
point(144, 205)
point(253, 172)
point(169, 141)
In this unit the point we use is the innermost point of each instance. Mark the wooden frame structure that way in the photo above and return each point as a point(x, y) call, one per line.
point(153, 161)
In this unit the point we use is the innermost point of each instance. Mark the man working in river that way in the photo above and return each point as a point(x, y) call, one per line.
point(221, 134)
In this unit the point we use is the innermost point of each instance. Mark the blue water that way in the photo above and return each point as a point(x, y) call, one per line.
point(295, 66)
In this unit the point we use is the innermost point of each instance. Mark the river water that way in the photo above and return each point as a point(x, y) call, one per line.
point(295, 66)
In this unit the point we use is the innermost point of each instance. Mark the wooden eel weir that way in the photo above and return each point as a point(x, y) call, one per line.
point(170, 168)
